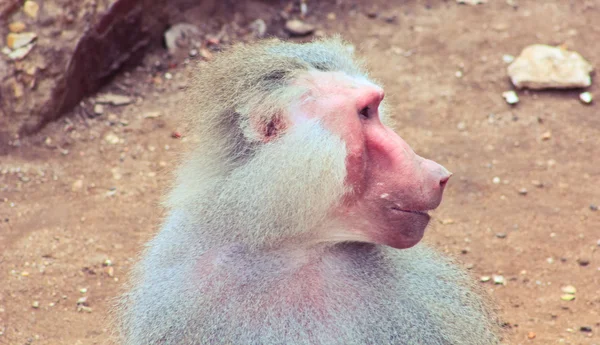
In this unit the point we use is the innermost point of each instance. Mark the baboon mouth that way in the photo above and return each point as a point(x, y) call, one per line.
point(398, 209)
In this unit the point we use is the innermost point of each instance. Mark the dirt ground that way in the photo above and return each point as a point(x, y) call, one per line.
point(87, 190)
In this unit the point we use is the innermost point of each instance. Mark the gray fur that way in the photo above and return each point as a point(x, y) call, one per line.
point(236, 262)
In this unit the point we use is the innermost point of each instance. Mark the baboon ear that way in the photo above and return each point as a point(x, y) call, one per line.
point(267, 129)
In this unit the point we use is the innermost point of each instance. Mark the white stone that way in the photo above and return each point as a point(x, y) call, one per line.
point(112, 138)
point(19, 40)
point(586, 97)
point(508, 58)
point(545, 67)
point(20, 53)
point(510, 97)
point(77, 185)
point(499, 280)
point(113, 99)
point(152, 114)
point(98, 109)
point(471, 2)
point(297, 27)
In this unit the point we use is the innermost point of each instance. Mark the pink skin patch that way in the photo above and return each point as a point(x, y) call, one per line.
point(392, 188)
point(269, 130)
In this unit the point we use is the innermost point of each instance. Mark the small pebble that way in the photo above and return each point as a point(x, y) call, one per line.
point(531, 335)
point(31, 8)
point(391, 18)
point(499, 280)
point(206, 54)
point(152, 114)
point(77, 185)
point(107, 262)
point(471, 2)
point(84, 308)
point(567, 297)
point(510, 97)
point(20, 40)
point(569, 289)
point(372, 13)
point(485, 279)
point(82, 300)
point(594, 207)
point(496, 180)
point(112, 119)
point(586, 329)
point(259, 27)
point(16, 27)
point(297, 27)
point(537, 183)
point(303, 8)
point(112, 138)
point(523, 191)
point(35, 304)
point(98, 109)
point(546, 135)
point(508, 58)
point(19, 53)
point(583, 262)
point(501, 235)
point(586, 97)
point(83, 290)
point(114, 99)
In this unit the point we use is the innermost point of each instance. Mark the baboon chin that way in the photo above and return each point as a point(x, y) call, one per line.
point(296, 218)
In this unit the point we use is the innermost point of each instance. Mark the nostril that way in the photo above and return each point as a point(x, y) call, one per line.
point(444, 180)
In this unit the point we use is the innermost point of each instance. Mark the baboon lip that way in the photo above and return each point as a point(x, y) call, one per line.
point(418, 212)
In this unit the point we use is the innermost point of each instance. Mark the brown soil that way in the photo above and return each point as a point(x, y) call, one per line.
point(56, 234)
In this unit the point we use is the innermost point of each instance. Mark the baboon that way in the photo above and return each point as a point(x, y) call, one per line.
point(295, 219)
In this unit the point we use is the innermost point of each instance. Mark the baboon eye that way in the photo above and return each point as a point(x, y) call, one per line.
point(364, 113)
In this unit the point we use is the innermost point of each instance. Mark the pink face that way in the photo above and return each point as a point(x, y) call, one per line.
point(392, 188)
